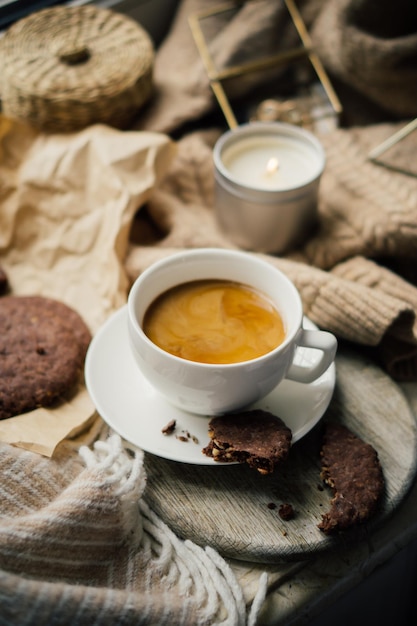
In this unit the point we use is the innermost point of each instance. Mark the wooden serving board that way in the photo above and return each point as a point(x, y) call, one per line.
point(230, 507)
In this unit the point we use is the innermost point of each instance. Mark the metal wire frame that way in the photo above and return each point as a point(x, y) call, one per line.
point(216, 76)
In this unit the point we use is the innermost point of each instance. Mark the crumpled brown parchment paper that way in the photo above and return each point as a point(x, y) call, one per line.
point(66, 208)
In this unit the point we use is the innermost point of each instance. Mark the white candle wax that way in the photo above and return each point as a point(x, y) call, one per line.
point(270, 162)
point(266, 184)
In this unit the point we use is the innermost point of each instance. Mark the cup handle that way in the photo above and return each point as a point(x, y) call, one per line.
point(318, 340)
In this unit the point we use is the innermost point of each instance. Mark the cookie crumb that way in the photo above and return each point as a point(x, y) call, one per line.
point(286, 511)
point(169, 428)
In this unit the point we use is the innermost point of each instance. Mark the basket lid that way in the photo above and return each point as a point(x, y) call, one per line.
point(67, 67)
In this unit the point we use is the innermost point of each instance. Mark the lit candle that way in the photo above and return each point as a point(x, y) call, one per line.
point(263, 162)
point(267, 177)
point(272, 166)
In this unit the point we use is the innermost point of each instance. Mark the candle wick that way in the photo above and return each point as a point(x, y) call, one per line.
point(272, 166)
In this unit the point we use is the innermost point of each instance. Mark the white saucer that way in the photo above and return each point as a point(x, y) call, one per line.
point(130, 405)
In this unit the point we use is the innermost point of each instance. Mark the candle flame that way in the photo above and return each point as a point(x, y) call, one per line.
point(272, 166)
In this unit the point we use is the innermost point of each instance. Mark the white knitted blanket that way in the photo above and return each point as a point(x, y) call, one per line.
point(91, 551)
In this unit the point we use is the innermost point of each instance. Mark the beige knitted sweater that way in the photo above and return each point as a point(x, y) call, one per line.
point(78, 542)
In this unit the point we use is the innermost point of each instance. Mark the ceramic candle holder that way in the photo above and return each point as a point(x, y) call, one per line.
point(267, 178)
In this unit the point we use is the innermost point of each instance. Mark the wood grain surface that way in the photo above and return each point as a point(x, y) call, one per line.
point(231, 507)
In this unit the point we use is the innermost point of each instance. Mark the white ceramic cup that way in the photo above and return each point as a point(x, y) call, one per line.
point(210, 389)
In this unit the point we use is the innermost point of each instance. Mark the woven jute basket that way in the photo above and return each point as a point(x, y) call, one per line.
point(65, 68)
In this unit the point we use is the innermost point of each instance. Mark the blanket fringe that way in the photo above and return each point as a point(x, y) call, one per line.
point(203, 577)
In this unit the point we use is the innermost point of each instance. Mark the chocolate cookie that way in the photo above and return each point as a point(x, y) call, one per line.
point(43, 344)
point(352, 469)
point(255, 437)
point(73, 320)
